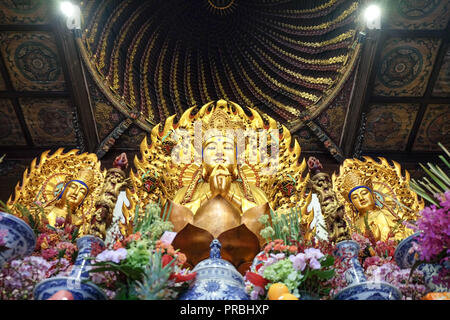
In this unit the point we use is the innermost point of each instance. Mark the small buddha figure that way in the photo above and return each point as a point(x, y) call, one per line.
point(379, 223)
point(68, 203)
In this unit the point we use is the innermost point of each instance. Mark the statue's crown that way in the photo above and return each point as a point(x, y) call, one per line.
point(352, 180)
point(86, 175)
point(220, 120)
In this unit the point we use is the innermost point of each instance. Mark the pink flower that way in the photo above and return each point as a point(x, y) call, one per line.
point(49, 254)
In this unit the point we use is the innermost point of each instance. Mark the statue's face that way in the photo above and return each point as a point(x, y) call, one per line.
point(363, 199)
point(74, 194)
point(219, 150)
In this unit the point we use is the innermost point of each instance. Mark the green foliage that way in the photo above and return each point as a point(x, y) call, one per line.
point(440, 182)
point(151, 223)
point(155, 279)
point(284, 226)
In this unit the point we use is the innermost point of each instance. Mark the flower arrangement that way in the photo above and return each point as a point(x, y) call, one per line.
point(54, 255)
point(303, 270)
point(378, 263)
point(141, 266)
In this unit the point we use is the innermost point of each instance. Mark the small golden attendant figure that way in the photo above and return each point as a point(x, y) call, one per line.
point(378, 198)
point(220, 192)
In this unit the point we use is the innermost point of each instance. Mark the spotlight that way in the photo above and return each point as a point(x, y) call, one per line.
point(372, 14)
point(73, 15)
point(67, 8)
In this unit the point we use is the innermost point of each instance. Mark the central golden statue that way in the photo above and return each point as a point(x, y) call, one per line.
point(218, 179)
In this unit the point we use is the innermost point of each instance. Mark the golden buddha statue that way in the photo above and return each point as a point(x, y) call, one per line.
point(64, 185)
point(70, 199)
point(378, 198)
point(225, 183)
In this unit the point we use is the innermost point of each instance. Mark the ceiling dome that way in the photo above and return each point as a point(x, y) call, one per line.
point(157, 58)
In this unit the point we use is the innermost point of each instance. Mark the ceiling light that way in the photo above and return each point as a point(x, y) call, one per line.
point(67, 8)
point(372, 14)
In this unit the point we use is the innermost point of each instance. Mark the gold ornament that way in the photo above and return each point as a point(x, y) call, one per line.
point(386, 199)
point(59, 180)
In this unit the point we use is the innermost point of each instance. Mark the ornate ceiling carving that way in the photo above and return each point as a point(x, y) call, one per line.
point(158, 58)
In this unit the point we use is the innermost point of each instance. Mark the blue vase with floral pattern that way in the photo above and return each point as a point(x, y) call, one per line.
point(18, 239)
point(216, 279)
point(358, 288)
point(77, 282)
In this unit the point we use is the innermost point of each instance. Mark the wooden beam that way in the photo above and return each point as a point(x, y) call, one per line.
point(76, 82)
point(364, 80)
point(33, 94)
point(26, 27)
point(411, 100)
point(15, 103)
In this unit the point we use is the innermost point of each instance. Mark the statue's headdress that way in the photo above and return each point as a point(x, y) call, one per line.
point(353, 181)
point(85, 177)
point(220, 120)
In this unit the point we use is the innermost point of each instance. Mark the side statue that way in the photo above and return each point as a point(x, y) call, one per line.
point(224, 183)
point(333, 210)
point(377, 197)
point(67, 187)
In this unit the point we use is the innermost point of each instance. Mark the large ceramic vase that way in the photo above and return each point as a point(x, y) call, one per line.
point(405, 257)
point(216, 279)
point(77, 282)
point(358, 288)
point(20, 239)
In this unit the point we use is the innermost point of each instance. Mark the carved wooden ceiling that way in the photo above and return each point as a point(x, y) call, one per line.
point(341, 89)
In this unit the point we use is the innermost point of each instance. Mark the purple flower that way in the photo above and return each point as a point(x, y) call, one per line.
point(313, 253)
point(314, 264)
point(298, 261)
point(434, 224)
point(112, 255)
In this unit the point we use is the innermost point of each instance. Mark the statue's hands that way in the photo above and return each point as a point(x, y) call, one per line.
point(220, 181)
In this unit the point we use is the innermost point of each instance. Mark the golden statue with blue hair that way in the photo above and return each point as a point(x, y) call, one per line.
point(378, 200)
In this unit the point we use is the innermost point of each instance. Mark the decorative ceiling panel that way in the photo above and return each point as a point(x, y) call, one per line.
point(435, 127)
point(417, 15)
point(10, 131)
point(406, 66)
point(158, 58)
point(32, 61)
point(50, 121)
point(389, 126)
point(25, 12)
point(442, 86)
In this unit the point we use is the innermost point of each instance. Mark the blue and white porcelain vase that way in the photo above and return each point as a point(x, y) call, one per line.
point(405, 257)
point(358, 288)
point(19, 239)
point(216, 279)
point(77, 282)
